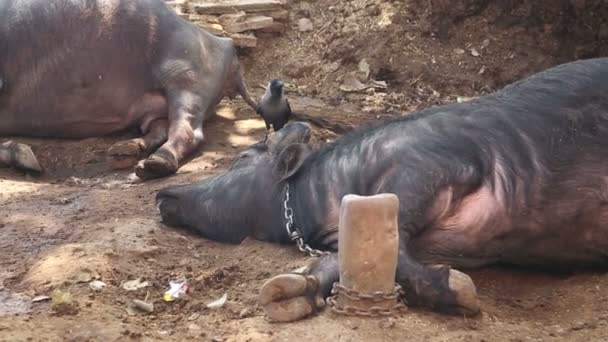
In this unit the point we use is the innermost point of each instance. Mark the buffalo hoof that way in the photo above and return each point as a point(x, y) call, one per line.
point(464, 290)
point(124, 154)
point(24, 159)
point(290, 297)
point(155, 167)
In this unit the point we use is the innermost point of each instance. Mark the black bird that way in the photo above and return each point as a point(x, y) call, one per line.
point(274, 106)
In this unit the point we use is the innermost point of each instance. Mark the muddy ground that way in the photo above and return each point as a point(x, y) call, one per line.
point(82, 221)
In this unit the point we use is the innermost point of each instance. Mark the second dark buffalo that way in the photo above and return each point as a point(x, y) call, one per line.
point(517, 177)
point(76, 69)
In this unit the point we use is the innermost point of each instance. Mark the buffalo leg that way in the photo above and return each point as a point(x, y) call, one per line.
point(126, 153)
point(435, 286)
point(152, 108)
point(186, 113)
point(19, 156)
point(293, 296)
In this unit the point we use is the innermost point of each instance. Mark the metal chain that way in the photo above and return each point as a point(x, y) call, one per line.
point(294, 233)
point(372, 311)
point(376, 296)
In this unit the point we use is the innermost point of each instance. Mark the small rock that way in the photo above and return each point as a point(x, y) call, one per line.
point(304, 25)
point(485, 43)
point(136, 306)
point(85, 275)
point(364, 67)
point(97, 285)
point(329, 68)
point(245, 313)
point(475, 53)
point(459, 51)
point(352, 84)
point(578, 326)
point(379, 84)
point(234, 145)
point(373, 10)
point(298, 70)
point(136, 284)
point(193, 327)
point(389, 323)
point(305, 9)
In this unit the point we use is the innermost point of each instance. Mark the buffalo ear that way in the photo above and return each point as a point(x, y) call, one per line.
point(292, 133)
point(291, 159)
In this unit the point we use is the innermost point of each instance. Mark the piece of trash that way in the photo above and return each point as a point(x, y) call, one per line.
point(40, 299)
point(97, 285)
point(63, 303)
point(352, 85)
point(194, 316)
point(474, 53)
point(176, 290)
point(302, 270)
point(61, 297)
point(461, 99)
point(218, 303)
point(136, 284)
point(65, 200)
point(136, 306)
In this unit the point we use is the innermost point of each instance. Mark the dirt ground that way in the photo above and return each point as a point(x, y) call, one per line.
point(82, 221)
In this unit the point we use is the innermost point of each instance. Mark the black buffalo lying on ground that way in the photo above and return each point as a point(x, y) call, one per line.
point(517, 177)
point(77, 69)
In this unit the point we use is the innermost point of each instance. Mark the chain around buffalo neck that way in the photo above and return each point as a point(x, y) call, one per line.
point(294, 233)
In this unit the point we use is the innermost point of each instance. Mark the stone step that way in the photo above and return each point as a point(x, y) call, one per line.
point(238, 5)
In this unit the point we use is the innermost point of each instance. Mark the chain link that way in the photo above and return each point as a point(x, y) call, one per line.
point(294, 233)
point(374, 297)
